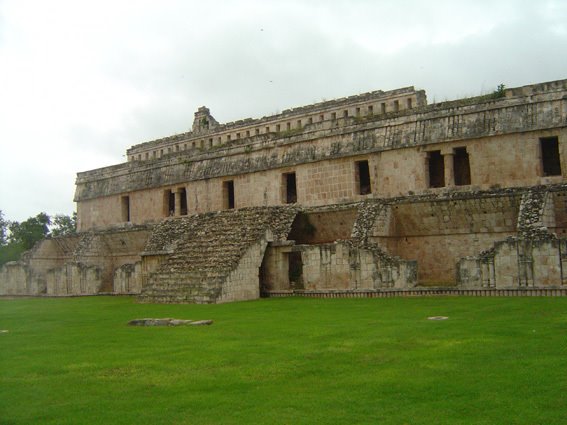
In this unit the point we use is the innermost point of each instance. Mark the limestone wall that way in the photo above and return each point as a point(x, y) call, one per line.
point(516, 262)
point(17, 279)
point(128, 279)
point(80, 264)
point(74, 279)
point(459, 121)
point(342, 265)
point(502, 161)
point(242, 283)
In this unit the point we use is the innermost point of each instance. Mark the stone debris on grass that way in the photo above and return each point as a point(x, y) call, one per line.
point(168, 322)
point(437, 318)
point(3, 331)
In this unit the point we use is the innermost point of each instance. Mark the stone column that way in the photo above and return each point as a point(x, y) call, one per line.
point(448, 162)
point(425, 162)
point(177, 202)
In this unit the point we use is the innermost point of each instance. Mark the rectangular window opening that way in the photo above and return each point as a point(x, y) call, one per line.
point(370, 109)
point(126, 208)
point(182, 193)
point(288, 126)
point(461, 167)
point(551, 163)
point(362, 177)
point(290, 184)
point(396, 105)
point(410, 103)
point(228, 193)
point(383, 108)
point(436, 168)
point(168, 203)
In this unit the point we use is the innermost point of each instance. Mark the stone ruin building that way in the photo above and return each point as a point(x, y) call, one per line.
point(378, 194)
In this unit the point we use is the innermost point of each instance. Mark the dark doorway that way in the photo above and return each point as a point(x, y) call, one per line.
point(295, 270)
point(168, 203)
point(126, 208)
point(462, 167)
point(550, 156)
point(182, 192)
point(290, 188)
point(228, 189)
point(436, 169)
point(363, 177)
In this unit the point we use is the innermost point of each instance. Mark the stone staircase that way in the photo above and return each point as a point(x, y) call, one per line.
point(202, 250)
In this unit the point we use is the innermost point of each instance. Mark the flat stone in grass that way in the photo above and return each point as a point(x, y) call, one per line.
point(168, 322)
point(201, 323)
point(437, 318)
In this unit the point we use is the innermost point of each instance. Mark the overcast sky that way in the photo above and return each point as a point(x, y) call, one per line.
point(81, 81)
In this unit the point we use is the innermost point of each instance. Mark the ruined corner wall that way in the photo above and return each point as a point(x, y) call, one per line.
point(82, 264)
point(516, 263)
point(536, 257)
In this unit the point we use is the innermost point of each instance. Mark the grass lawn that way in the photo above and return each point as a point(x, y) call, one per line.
point(285, 361)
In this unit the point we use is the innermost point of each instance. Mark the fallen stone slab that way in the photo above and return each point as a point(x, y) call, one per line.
point(201, 323)
point(168, 322)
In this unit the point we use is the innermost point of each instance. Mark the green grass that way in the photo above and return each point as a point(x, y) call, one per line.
point(285, 361)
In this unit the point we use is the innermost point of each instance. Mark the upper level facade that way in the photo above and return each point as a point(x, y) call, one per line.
point(374, 145)
point(207, 133)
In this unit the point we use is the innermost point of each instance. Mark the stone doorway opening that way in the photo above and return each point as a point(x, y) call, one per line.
point(295, 270)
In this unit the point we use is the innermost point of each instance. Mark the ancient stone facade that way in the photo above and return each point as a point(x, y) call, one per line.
point(375, 193)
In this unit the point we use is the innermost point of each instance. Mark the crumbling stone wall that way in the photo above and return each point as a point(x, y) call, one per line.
point(17, 279)
point(516, 263)
point(128, 279)
point(535, 257)
point(343, 265)
point(80, 264)
point(74, 279)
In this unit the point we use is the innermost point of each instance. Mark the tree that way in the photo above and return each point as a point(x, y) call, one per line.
point(28, 232)
point(64, 224)
point(3, 230)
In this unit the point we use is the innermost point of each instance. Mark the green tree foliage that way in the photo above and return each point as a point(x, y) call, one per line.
point(16, 238)
point(28, 232)
point(64, 224)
